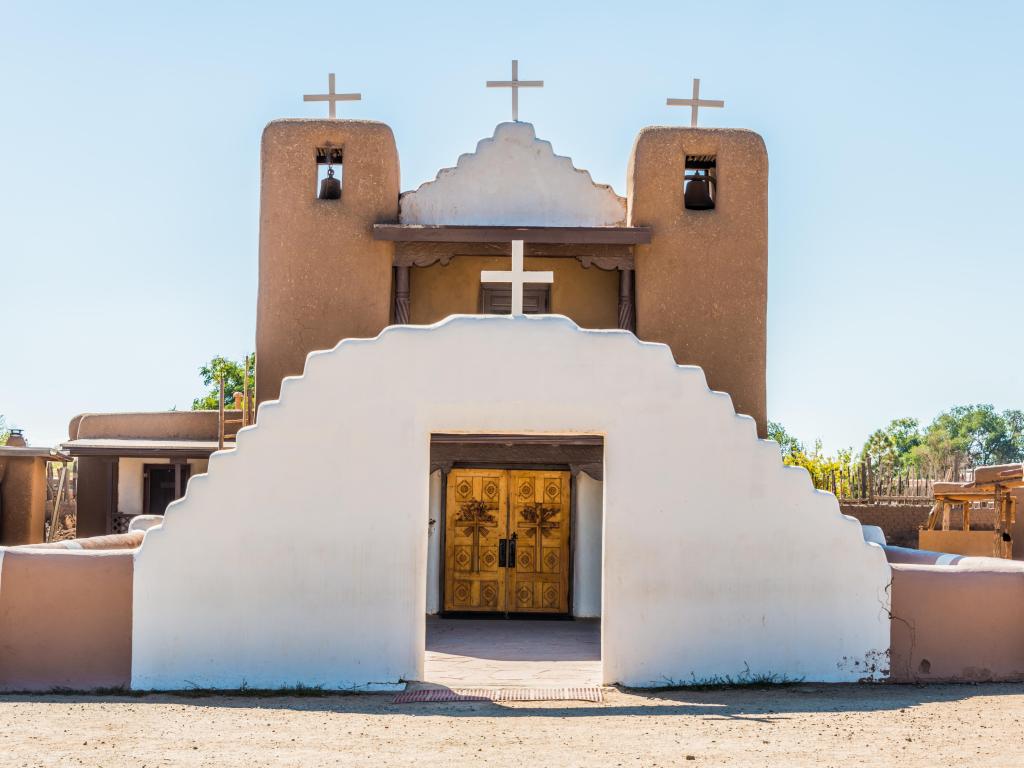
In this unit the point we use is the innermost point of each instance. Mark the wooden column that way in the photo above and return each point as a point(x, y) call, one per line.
point(401, 296)
point(627, 311)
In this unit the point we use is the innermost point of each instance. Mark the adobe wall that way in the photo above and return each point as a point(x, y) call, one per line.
point(957, 623)
point(513, 179)
point(683, 597)
point(22, 499)
point(149, 425)
point(900, 522)
point(589, 296)
point(65, 619)
point(702, 282)
point(322, 276)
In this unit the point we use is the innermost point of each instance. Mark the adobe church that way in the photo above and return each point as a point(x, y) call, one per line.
point(681, 259)
point(524, 396)
point(512, 381)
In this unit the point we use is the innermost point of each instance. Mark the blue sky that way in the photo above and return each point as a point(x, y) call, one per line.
point(129, 166)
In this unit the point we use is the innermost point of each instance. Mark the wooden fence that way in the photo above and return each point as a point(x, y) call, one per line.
point(864, 483)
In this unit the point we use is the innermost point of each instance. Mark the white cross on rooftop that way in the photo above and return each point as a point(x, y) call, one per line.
point(515, 84)
point(695, 103)
point(331, 97)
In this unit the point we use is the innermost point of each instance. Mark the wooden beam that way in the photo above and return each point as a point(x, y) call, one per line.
point(440, 233)
point(602, 256)
point(144, 452)
point(448, 438)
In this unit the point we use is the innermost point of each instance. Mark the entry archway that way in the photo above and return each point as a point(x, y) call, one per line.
point(301, 556)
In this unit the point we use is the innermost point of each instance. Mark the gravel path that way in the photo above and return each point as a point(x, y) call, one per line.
point(805, 725)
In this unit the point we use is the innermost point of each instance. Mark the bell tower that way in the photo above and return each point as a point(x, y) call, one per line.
point(322, 276)
point(702, 282)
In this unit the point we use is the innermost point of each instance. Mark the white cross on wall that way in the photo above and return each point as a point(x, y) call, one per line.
point(695, 103)
point(517, 277)
point(515, 84)
point(331, 97)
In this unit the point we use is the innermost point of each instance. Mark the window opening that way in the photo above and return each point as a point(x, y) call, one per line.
point(700, 183)
point(328, 173)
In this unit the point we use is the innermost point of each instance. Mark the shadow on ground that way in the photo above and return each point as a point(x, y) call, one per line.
point(764, 704)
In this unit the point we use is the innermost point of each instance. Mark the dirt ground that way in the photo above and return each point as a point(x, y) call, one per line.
point(981, 725)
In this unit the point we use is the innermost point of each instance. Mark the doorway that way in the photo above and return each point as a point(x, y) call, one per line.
point(162, 484)
point(507, 540)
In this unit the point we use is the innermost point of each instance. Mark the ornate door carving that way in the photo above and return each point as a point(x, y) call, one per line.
point(476, 521)
point(539, 523)
point(507, 541)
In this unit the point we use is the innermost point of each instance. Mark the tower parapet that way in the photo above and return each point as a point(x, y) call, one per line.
point(322, 276)
point(702, 282)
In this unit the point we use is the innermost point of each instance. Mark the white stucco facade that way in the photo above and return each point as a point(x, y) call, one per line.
point(717, 558)
point(586, 536)
point(434, 545)
point(514, 179)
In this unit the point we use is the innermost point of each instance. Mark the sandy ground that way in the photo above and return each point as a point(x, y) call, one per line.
point(805, 725)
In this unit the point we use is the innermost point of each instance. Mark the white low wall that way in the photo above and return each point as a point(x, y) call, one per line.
point(717, 558)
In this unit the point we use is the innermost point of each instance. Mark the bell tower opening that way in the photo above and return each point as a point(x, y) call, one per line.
point(328, 173)
point(700, 183)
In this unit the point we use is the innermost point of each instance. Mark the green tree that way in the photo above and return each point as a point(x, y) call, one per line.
point(828, 472)
point(234, 377)
point(893, 447)
point(972, 436)
point(4, 431)
point(789, 444)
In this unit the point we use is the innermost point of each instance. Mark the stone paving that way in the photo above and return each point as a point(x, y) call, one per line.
point(471, 653)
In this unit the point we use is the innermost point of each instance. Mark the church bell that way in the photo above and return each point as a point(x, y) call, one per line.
point(330, 188)
point(697, 196)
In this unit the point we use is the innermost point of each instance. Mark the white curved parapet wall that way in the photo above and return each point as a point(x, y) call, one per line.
point(717, 558)
point(513, 179)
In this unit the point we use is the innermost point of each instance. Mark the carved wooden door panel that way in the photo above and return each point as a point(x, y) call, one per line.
point(539, 524)
point(476, 516)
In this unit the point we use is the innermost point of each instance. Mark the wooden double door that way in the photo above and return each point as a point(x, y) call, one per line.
point(507, 541)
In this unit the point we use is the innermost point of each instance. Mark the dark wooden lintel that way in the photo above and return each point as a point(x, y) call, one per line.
point(443, 438)
point(420, 254)
point(575, 452)
point(422, 233)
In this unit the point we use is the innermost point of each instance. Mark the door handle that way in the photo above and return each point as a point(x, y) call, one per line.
point(502, 553)
point(512, 550)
